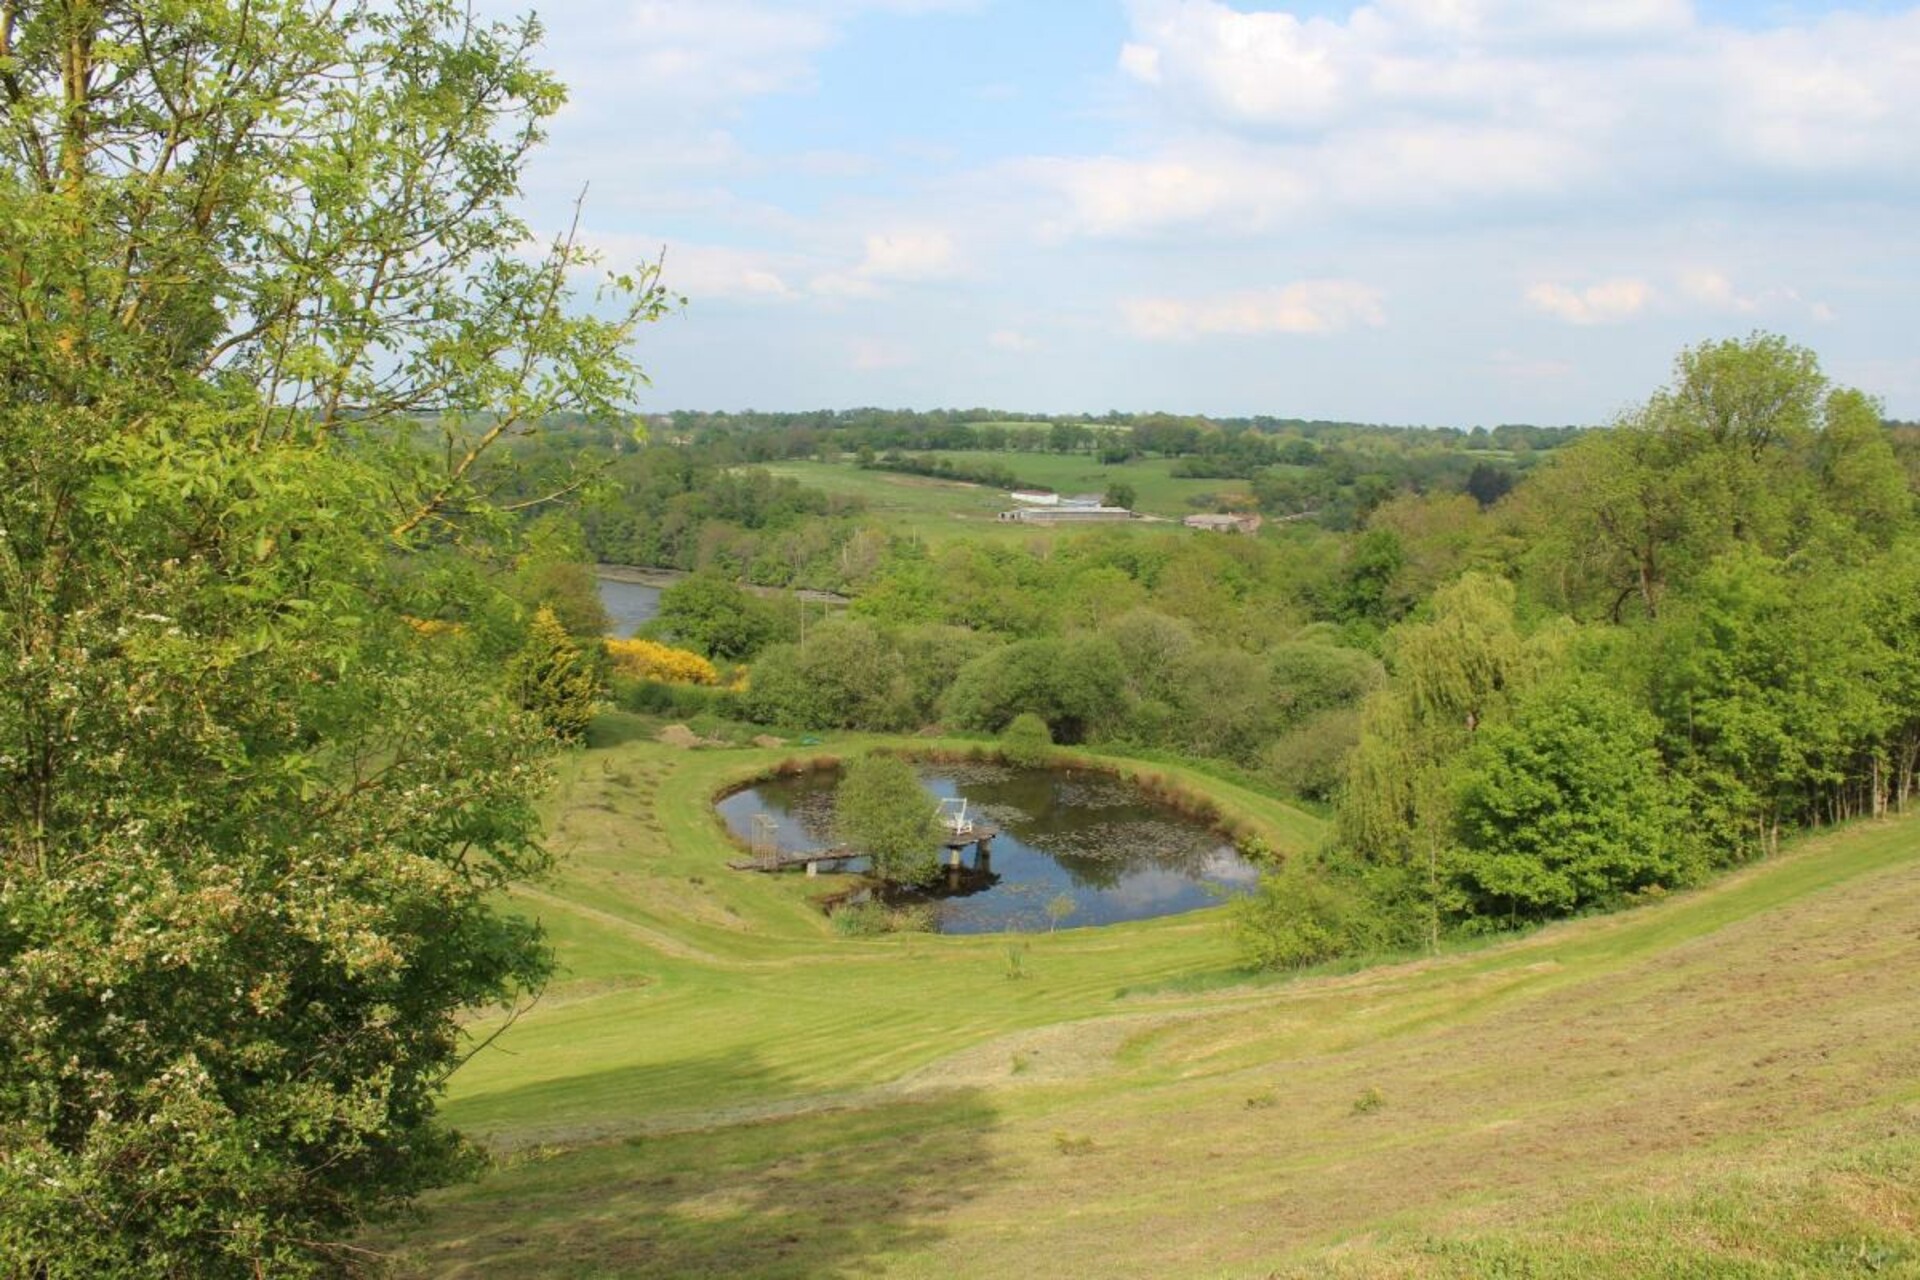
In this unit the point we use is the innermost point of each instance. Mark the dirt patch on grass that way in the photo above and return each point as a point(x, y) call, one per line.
point(678, 735)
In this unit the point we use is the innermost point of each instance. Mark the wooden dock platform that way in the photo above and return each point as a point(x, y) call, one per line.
point(811, 859)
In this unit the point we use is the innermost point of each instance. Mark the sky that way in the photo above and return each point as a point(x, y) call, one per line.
point(1445, 212)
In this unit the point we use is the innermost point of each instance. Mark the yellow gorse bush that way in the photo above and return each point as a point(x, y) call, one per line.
point(645, 660)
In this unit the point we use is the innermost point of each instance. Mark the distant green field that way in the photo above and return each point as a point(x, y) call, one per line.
point(943, 509)
point(1159, 491)
point(1720, 1084)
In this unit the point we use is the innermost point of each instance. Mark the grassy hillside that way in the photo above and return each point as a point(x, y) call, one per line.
point(1724, 1083)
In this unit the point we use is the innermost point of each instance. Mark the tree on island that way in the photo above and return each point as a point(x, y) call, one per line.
point(264, 314)
point(881, 810)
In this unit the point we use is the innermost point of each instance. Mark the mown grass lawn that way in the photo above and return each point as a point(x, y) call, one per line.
point(1723, 1083)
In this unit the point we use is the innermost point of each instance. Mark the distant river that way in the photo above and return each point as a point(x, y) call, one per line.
point(628, 604)
point(632, 595)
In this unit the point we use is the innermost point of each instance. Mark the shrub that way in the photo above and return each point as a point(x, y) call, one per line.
point(1299, 916)
point(847, 677)
point(1310, 760)
point(554, 678)
point(1567, 807)
point(1027, 742)
point(648, 660)
point(1077, 686)
point(679, 701)
point(860, 920)
point(876, 919)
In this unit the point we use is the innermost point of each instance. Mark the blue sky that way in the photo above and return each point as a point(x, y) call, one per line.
point(1419, 211)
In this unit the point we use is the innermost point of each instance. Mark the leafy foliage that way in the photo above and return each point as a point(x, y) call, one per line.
point(1026, 742)
point(714, 617)
point(1297, 917)
point(554, 680)
point(845, 676)
point(264, 311)
point(881, 810)
point(1736, 557)
point(1567, 807)
point(647, 660)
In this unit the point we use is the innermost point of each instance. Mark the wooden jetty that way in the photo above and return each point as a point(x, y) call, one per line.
point(977, 835)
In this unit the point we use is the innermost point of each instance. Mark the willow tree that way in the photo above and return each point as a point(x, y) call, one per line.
point(264, 307)
point(1452, 671)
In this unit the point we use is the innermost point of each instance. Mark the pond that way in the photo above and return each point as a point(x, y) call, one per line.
point(1115, 851)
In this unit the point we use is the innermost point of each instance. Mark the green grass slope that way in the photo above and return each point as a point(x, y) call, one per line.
point(1724, 1083)
point(938, 509)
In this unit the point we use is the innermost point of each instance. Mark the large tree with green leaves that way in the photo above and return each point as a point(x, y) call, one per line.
point(1748, 446)
point(1566, 807)
point(264, 308)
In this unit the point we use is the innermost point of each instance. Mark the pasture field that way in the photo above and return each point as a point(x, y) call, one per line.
point(940, 510)
point(1160, 492)
point(1722, 1083)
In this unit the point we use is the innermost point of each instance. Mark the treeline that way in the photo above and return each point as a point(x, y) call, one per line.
point(1696, 632)
point(692, 508)
point(1252, 652)
point(807, 433)
point(992, 474)
point(1334, 472)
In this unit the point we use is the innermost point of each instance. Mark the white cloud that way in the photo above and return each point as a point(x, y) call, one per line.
point(1240, 187)
point(702, 272)
point(1440, 165)
point(870, 354)
point(688, 57)
point(1543, 19)
point(1514, 367)
point(1608, 302)
point(714, 51)
point(843, 284)
point(908, 255)
point(1469, 103)
point(1838, 96)
point(1709, 288)
point(1252, 66)
point(1141, 61)
point(1307, 306)
point(724, 273)
point(1012, 340)
point(903, 256)
point(1115, 196)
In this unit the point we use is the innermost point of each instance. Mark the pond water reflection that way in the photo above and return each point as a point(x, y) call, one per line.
point(1116, 851)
